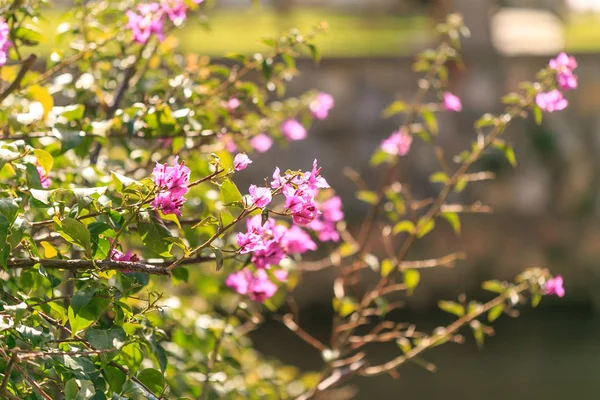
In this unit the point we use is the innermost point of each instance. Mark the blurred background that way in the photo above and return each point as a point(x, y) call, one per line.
point(546, 211)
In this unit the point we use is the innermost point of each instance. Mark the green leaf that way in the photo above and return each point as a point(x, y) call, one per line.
point(7, 156)
point(9, 208)
point(28, 35)
point(80, 299)
point(411, 279)
point(33, 177)
point(386, 267)
point(345, 306)
point(229, 192)
point(396, 107)
point(486, 120)
point(153, 233)
point(71, 390)
point(73, 112)
point(430, 120)
point(367, 196)
point(453, 219)
point(105, 339)
point(452, 307)
point(495, 312)
point(153, 379)
point(424, 226)
point(77, 233)
point(537, 114)
point(461, 184)
point(379, 157)
point(314, 52)
point(439, 177)
point(42, 197)
point(218, 258)
point(115, 378)
point(122, 182)
point(44, 159)
point(403, 226)
point(494, 286)
point(77, 322)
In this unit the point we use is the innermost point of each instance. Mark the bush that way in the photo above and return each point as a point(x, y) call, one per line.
point(99, 219)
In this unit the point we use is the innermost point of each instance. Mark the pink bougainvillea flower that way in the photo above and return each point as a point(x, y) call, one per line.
point(176, 10)
point(281, 275)
point(398, 144)
point(5, 42)
point(324, 224)
point(44, 178)
point(146, 22)
point(250, 241)
point(256, 285)
point(551, 101)
point(241, 161)
point(297, 241)
point(555, 286)
point(293, 130)
point(261, 196)
point(564, 66)
point(261, 143)
point(272, 254)
point(300, 203)
point(452, 102)
point(117, 255)
point(232, 104)
point(260, 288)
point(321, 105)
point(172, 182)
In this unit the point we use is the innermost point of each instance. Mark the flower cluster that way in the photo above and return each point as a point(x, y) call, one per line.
point(149, 18)
point(300, 190)
point(256, 285)
point(554, 100)
point(321, 105)
point(269, 243)
point(398, 144)
point(4, 42)
point(330, 213)
point(172, 185)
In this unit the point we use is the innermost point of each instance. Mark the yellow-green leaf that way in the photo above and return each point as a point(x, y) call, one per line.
point(452, 307)
point(386, 267)
point(424, 226)
point(44, 159)
point(411, 279)
point(453, 219)
point(403, 226)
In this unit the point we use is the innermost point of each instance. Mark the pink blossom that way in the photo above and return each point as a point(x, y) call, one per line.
point(168, 203)
point(176, 10)
point(452, 102)
point(332, 209)
point(232, 104)
point(250, 241)
point(300, 204)
point(4, 42)
point(324, 224)
point(44, 178)
point(271, 254)
point(551, 101)
point(261, 143)
point(297, 241)
point(321, 105)
point(149, 21)
point(555, 286)
point(564, 66)
point(398, 144)
point(256, 285)
point(175, 178)
point(260, 288)
point(261, 196)
point(241, 161)
point(293, 130)
point(281, 275)
point(172, 183)
point(117, 255)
